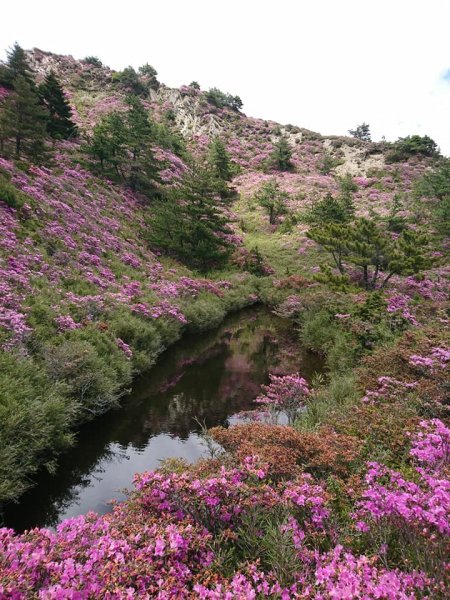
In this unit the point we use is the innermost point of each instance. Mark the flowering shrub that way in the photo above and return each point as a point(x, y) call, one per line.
point(284, 394)
point(163, 543)
point(431, 445)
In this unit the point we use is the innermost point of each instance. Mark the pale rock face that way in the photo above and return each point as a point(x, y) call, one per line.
point(188, 115)
point(69, 70)
point(356, 162)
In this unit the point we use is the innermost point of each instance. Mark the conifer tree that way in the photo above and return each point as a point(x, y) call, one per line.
point(219, 159)
point(59, 125)
point(140, 165)
point(122, 143)
point(189, 222)
point(328, 210)
point(362, 132)
point(367, 245)
point(23, 120)
point(281, 156)
point(270, 197)
point(16, 64)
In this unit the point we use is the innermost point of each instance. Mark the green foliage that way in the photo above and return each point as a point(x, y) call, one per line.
point(164, 136)
point(94, 61)
point(59, 125)
point(130, 81)
point(328, 210)
point(206, 312)
point(219, 159)
point(362, 132)
point(333, 238)
point(11, 195)
point(338, 282)
point(149, 74)
point(142, 335)
point(122, 144)
point(395, 222)
point(35, 417)
point(280, 159)
point(272, 199)
point(373, 309)
point(23, 121)
point(435, 187)
point(347, 185)
point(22, 118)
point(255, 263)
point(189, 222)
point(342, 353)
point(222, 100)
point(262, 536)
point(367, 245)
point(195, 85)
point(16, 65)
point(93, 369)
point(318, 330)
point(412, 145)
point(148, 70)
point(327, 164)
point(340, 392)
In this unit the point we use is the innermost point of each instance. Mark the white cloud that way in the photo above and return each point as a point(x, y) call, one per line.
point(322, 64)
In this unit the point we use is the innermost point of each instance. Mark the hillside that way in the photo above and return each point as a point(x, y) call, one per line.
point(346, 238)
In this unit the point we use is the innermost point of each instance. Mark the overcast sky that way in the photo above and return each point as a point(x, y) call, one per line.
point(327, 65)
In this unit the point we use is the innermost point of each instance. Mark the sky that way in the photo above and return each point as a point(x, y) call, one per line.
point(326, 65)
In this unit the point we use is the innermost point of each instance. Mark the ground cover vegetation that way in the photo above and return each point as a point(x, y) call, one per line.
point(117, 233)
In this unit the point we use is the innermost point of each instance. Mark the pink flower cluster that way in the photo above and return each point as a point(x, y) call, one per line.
point(399, 304)
point(125, 348)
point(160, 543)
point(423, 504)
point(438, 359)
point(284, 394)
point(65, 323)
point(431, 445)
point(389, 389)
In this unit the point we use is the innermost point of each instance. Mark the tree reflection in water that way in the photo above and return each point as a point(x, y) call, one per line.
point(203, 378)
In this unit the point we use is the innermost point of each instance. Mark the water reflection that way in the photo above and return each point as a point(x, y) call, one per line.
point(206, 378)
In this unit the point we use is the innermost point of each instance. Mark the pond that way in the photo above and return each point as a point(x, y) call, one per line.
point(207, 378)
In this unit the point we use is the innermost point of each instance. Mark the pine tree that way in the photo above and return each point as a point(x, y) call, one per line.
point(23, 120)
point(140, 165)
point(362, 132)
point(16, 64)
point(190, 223)
point(367, 245)
point(281, 156)
point(122, 142)
point(270, 197)
point(219, 159)
point(60, 125)
point(328, 210)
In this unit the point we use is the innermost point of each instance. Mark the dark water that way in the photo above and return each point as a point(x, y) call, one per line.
point(209, 377)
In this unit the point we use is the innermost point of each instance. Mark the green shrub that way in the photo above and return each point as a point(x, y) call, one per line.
point(412, 145)
point(341, 391)
point(146, 338)
point(221, 100)
point(93, 368)
point(206, 312)
point(318, 330)
point(94, 61)
point(11, 195)
point(341, 355)
point(35, 418)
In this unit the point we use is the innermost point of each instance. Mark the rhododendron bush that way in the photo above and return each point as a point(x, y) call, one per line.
point(337, 485)
point(168, 541)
